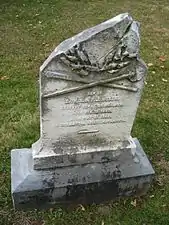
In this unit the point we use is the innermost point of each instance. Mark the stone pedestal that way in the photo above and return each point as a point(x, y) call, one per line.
point(90, 88)
point(82, 184)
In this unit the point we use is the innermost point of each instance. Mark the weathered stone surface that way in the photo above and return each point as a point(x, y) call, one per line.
point(90, 90)
point(82, 184)
point(99, 153)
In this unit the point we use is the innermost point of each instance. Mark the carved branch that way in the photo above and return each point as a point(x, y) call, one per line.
point(93, 84)
point(57, 75)
point(116, 59)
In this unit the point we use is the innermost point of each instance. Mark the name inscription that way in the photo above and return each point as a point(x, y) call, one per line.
point(93, 108)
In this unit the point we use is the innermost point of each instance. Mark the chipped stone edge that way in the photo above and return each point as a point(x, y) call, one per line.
point(82, 36)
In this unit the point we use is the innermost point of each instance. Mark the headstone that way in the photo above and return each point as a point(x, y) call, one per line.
point(90, 88)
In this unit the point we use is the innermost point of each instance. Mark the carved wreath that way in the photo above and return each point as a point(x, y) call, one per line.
point(117, 58)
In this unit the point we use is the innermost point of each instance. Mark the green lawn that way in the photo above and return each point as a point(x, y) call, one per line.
point(29, 31)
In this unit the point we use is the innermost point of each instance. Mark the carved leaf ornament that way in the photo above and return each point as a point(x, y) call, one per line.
point(118, 62)
point(116, 59)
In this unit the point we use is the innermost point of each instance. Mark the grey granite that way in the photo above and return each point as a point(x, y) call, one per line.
point(81, 184)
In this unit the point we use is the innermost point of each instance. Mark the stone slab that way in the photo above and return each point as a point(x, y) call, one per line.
point(81, 184)
point(90, 88)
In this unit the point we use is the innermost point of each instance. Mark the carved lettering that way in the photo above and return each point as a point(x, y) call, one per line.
point(91, 108)
point(89, 122)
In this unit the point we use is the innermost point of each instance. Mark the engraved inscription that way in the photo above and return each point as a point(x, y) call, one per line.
point(89, 122)
point(92, 108)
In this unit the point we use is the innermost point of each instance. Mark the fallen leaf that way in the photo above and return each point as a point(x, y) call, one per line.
point(82, 207)
point(166, 121)
point(151, 196)
point(162, 67)
point(162, 58)
point(160, 180)
point(150, 64)
point(4, 78)
point(155, 47)
point(153, 72)
point(51, 209)
point(164, 80)
point(124, 202)
point(134, 203)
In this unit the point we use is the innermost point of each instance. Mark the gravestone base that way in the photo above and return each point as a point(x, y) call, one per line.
point(81, 184)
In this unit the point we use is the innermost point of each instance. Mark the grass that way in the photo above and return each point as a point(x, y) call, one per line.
point(30, 29)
